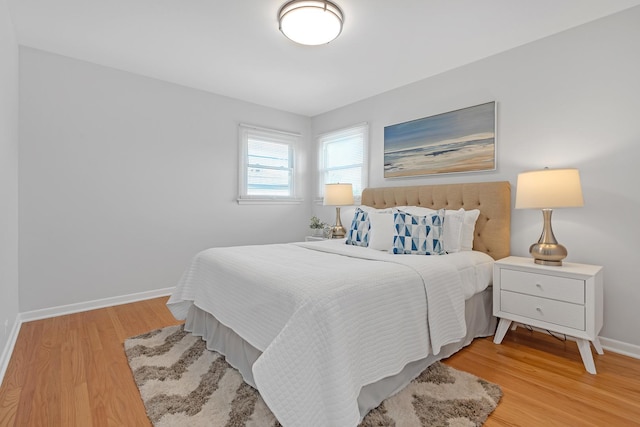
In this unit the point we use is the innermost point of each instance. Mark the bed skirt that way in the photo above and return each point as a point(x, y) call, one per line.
point(241, 355)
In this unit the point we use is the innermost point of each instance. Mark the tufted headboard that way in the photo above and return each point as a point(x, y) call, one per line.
point(493, 199)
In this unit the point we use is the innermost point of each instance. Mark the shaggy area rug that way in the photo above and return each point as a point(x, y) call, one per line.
point(183, 384)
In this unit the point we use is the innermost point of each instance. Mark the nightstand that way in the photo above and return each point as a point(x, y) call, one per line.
point(314, 238)
point(565, 299)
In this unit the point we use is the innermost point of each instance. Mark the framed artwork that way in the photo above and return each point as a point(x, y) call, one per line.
point(458, 141)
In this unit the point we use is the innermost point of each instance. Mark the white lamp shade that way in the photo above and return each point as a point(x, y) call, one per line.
point(338, 194)
point(549, 189)
point(310, 22)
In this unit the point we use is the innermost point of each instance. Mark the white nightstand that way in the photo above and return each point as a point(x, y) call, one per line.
point(566, 299)
point(314, 238)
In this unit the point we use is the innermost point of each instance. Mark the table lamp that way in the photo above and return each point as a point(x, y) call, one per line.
point(548, 189)
point(338, 195)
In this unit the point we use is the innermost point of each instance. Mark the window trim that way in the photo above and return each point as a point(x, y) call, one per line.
point(364, 175)
point(292, 139)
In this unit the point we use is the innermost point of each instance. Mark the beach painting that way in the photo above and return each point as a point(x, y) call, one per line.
point(458, 141)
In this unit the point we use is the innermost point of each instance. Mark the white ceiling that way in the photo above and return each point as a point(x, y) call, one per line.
point(234, 48)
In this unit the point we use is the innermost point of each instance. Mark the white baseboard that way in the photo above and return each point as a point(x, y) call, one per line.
point(45, 313)
point(620, 347)
point(8, 348)
point(609, 344)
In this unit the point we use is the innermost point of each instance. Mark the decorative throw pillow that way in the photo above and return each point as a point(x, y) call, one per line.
point(452, 229)
point(358, 234)
point(420, 235)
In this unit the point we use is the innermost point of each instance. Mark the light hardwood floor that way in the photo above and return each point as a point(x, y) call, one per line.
point(71, 371)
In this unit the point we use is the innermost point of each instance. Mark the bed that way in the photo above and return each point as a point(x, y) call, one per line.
point(326, 331)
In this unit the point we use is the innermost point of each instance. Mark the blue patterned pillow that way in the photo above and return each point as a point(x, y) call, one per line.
point(420, 235)
point(358, 234)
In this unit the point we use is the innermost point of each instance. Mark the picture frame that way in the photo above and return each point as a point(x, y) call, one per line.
point(458, 141)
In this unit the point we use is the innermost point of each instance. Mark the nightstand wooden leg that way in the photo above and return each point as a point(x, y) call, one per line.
point(502, 329)
point(587, 358)
point(597, 345)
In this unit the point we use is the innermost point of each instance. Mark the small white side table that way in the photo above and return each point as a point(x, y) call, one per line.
point(565, 299)
point(314, 238)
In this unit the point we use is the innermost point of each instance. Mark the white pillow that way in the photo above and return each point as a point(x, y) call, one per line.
point(346, 215)
point(468, 228)
point(452, 230)
point(381, 233)
point(369, 209)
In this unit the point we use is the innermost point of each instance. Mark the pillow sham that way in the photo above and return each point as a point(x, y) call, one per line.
point(451, 229)
point(348, 212)
point(381, 231)
point(468, 229)
point(358, 234)
point(419, 235)
point(346, 215)
point(369, 209)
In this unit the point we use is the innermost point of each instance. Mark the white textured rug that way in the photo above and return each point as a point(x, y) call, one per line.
point(183, 384)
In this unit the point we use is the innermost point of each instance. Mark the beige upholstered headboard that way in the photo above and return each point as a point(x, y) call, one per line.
point(493, 199)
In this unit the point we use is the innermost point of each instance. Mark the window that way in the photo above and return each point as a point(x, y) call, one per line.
point(342, 158)
point(267, 165)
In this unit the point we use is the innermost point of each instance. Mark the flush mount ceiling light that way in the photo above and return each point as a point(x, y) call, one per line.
point(310, 22)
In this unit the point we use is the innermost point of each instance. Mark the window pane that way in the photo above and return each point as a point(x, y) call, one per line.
point(268, 182)
point(348, 151)
point(342, 158)
point(267, 165)
point(268, 153)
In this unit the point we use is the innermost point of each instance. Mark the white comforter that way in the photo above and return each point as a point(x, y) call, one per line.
point(327, 324)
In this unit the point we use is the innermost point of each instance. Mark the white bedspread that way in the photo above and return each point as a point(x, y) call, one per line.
point(329, 318)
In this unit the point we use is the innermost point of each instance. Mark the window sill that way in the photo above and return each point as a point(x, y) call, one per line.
point(356, 201)
point(269, 201)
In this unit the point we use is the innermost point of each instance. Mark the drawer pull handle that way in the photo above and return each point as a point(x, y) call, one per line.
point(539, 310)
point(539, 285)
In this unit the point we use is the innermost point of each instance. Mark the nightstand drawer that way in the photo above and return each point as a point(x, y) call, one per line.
point(542, 285)
point(545, 310)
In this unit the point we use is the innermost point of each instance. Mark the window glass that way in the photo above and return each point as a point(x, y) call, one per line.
point(269, 168)
point(342, 158)
point(266, 163)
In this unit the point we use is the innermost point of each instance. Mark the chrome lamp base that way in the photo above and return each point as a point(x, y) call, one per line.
point(546, 254)
point(338, 231)
point(548, 251)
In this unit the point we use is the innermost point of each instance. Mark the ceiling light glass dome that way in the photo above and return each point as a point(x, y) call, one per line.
point(310, 22)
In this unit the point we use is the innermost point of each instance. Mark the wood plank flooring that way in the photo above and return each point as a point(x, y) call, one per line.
point(544, 382)
point(71, 371)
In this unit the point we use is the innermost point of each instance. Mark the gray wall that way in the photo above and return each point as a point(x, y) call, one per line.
point(124, 178)
point(8, 177)
point(570, 100)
